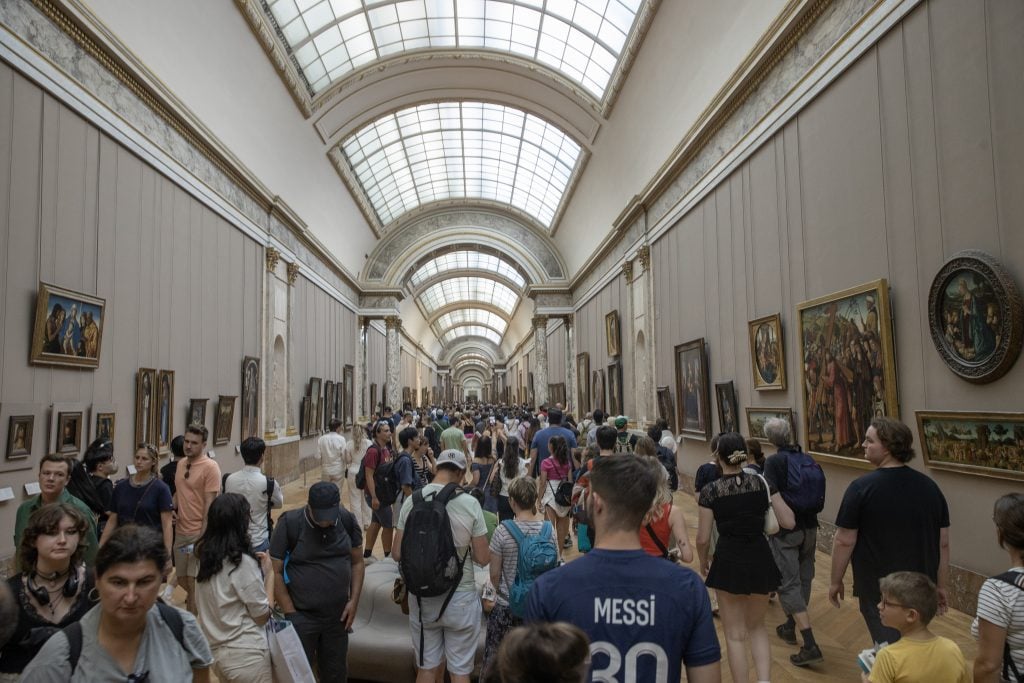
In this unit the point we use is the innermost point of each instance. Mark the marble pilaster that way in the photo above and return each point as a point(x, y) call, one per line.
point(393, 360)
point(540, 359)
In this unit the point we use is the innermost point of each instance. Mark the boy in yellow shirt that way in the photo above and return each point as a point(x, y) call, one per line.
point(909, 602)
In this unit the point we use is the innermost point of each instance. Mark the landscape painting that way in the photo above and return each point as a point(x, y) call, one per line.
point(984, 444)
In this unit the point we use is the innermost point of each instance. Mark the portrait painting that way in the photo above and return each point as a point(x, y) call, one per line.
point(582, 383)
point(611, 333)
point(848, 369)
point(69, 433)
point(667, 408)
point(767, 354)
point(224, 420)
point(196, 411)
point(19, 436)
point(976, 317)
point(615, 406)
point(145, 405)
point(984, 444)
point(728, 412)
point(347, 411)
point(691, 366)
point(330, 396)
point(757, 417)
point(105, 424)
point(250, 398)
point(165, 415)
point(68, 328)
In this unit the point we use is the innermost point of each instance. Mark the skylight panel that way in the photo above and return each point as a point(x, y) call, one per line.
point(470, 331)
point(459, 150)
point(464, 260)
point(468, 289)
point(369, 30)
point(467, 316)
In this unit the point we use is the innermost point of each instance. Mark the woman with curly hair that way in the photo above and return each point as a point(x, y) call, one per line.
point(232, 592)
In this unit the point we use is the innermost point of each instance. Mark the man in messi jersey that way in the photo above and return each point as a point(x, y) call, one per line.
point(646, 618)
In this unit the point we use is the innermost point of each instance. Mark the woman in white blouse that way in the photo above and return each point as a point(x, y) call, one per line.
point(352, 498)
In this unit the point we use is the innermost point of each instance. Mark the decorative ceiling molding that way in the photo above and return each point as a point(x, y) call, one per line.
point(500, 254)
point(463, 304)
point(464, 272)
point(269, 37)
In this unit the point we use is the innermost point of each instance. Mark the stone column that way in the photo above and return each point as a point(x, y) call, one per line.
point(638, 337)
point(361, 387)
point(278, 412)
point(570, 367)
point(393, 360)
point(540, 359)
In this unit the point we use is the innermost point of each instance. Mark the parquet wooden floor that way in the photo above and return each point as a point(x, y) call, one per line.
point(840, 633)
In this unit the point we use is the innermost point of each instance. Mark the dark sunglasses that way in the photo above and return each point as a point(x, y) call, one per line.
point(188, 468)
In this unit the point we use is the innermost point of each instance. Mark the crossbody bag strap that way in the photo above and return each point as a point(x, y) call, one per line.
point(657, 541)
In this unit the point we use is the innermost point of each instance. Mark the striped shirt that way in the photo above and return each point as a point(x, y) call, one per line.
point(1002, 605)
point(503, 544)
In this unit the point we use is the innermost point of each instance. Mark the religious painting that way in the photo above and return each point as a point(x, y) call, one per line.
point(68, 328)
point(847, 368)
point(346, 401)
point(666, 408)
point(330, 396)
point(767, 354)
point(611, 333)
point(984, 444)
point(19, 436)
point(406, 397)
point(757, 417)
point(250, 398)
point(597, 391)
point(104, 425)
point(691, 366)
point(615, 406)
point(69, 433)
point(728, 412)
point(145, 405)
point(224, 420)
point(164, 411)
point(582, 383)
point(305, 409)
point(196, 411)
point(976, 317)
point(315, 384)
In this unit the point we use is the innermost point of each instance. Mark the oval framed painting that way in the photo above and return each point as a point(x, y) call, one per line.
point(976, 317)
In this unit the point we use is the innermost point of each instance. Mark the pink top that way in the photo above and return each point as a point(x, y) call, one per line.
point(554, 472)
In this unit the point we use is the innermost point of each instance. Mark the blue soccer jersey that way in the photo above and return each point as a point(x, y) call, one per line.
point(646, 618)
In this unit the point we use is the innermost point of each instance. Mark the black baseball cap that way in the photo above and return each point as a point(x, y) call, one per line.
point(324, 501)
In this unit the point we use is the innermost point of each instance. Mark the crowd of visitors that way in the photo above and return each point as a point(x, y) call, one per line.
point(506, 490)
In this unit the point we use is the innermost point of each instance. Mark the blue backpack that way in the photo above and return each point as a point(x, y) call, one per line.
point(537, 554)
point(805, 483)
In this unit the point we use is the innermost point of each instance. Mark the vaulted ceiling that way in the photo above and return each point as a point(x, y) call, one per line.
point(460, 107)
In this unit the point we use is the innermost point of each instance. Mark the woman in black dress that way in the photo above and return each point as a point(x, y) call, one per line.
point(743, 571)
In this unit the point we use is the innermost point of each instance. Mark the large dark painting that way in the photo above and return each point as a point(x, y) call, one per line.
point(691, 361)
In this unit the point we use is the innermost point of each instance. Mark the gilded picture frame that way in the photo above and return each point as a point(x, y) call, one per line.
point(250, 409)
point(847, 370)
point(68, 436)
point(767, 353)
point(693, 389)
point(224, 420)
point(164, 421)
point(976, 317)
point(583, 382)
point(979, 443)
point(615, 404)
point(196, 411)
point(20, 432)
point(728, 410)
point(146, 397)
point(666, 407)
point(68, 328)
point(758, 415)
point(612, 333)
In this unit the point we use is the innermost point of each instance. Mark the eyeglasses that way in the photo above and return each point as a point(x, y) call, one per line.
point(886, 603)
point(188, 468)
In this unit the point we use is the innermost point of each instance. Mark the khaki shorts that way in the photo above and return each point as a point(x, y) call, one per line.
point(185, 563)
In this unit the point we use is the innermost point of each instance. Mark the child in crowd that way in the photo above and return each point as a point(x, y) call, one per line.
point(909, 601)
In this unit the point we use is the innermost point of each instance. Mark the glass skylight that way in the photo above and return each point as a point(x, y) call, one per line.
point(468, 289)
point(466, 357)
point(468, 316)
point(452, 150)
point(470, 331)
point(462, 260)
point(580, 38)
point(472, 361)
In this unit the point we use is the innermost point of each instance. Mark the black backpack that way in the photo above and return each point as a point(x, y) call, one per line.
point(1014, 579)
point(170, 615)
point(668, 460)
point(269, 494)
point(430, 564)
point(385, 480)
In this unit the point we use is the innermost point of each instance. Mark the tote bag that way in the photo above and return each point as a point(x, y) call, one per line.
point(287, 658)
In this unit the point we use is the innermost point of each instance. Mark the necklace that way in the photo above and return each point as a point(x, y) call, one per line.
point(53, 576)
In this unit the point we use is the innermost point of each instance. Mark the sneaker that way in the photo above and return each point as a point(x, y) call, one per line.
point(787, 632)
point(807, 656)
point(567, 543)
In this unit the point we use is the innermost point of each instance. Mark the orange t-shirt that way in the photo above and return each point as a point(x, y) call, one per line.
point(203, 477)
point(661, 530)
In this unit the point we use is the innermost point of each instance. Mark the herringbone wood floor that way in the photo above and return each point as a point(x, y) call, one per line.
point(840, 633)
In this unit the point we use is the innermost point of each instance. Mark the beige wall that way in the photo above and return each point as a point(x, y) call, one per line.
point(324, 339)
point(182, 286)
point(914, 154)
point(590, 338)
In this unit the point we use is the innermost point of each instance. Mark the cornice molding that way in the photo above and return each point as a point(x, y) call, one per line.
point(266, 33)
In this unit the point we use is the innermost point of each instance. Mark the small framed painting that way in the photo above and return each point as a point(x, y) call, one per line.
point(145, 405)
point(165, 410)
point(982, 444)
point(667, 408)
point(767, 354)
point(757, 417)
point(224, 421)
point(104, 423)
point(728, 412)
point(691, 361)
point(197, 411)
point(611, 333)
point(19, 436)
point(68, 328)
point(69, 432)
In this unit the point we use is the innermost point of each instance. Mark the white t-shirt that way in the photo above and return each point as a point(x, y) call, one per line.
point(467, 520)
point(354, 452)
point(331, 448)
point(252, 483)
point(505, 481)
point(1002, 605)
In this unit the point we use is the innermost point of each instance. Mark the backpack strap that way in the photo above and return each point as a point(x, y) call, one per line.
point(270, 503)
point(1014, 579)
point(657, 541)
point(169, 615)
point(224, 482)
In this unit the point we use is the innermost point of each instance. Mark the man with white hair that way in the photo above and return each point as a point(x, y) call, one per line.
point(801, 483)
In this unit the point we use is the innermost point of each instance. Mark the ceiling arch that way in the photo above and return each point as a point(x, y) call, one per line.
point(433, 280)
point(480, 345)
point(453, 333)
point(462, 150)
point(459, 306)
point(468, 261)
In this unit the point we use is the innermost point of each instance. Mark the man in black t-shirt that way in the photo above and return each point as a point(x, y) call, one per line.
point(893, 519)
point(168, 471)
point(319, 549)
